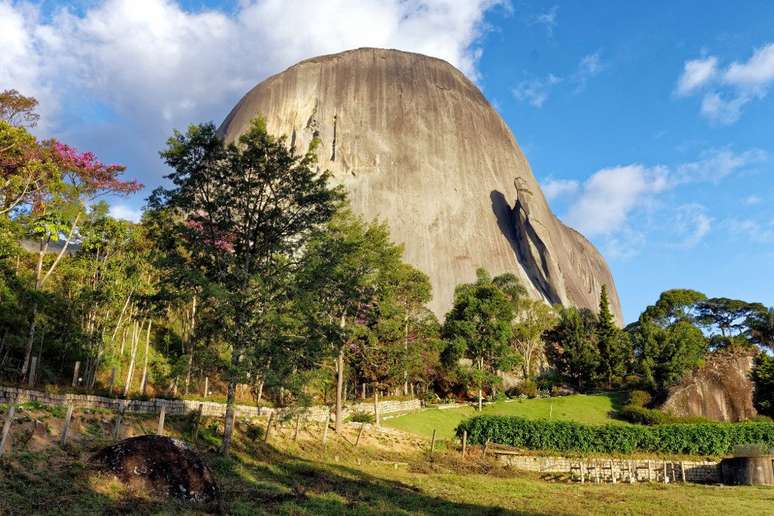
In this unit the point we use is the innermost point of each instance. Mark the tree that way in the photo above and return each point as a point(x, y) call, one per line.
point(57, 186)
point(533, 319)
point(572, 348)
point(730, 317)
point(478, 328)
point(675, 305)
point(762, 376)
point(350, 269)
point(18, 110)
point(666, 354)
point(614, 345)
point(761, 325)
point(244, 210)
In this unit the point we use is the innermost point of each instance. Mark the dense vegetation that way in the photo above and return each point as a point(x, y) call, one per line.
point(249, 274)
point(713, 439)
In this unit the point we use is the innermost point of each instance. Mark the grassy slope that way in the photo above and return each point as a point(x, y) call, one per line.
point(581, 408)
point(303, 478)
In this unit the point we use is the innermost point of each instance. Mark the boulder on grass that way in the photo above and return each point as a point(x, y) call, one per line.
point(162, 465)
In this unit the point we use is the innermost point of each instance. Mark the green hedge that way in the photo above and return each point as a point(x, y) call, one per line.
point(692, 439)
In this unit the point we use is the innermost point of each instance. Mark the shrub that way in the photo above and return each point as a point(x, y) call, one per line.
point(640, 415)
point(527, 388)
point(694, 439)
point(361, 417)
point(639, 398)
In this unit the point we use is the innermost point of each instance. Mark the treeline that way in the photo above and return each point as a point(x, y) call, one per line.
point(250, 273)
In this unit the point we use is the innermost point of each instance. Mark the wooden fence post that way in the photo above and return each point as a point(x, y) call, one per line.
point(7, 427)
point(119, 416)
point(76, 370)
point(268, 427)
point(464, 442)
point(33, 367)
point(162, 413)
point(682, 471)
point(66, 427)
point(197, 422)
point(666, 476)
point(360, 432)
point(298, 425)
point(325, 428)
point(206, 386)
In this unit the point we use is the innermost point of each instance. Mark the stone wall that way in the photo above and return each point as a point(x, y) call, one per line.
point(181, 407)
point(616, 470)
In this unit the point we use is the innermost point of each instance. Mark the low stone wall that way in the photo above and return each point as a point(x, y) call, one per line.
point(181, 407)
point(616, 470)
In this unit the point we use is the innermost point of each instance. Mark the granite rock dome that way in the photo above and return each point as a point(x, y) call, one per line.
point(417, 145)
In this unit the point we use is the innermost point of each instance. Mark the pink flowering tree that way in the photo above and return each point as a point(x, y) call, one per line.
point(53, 209)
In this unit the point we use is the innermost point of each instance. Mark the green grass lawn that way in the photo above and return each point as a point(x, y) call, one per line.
point(591, 409)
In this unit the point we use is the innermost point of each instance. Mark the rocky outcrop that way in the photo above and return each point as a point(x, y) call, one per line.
point(720, 390)
point(161, 465)
point(417, 145)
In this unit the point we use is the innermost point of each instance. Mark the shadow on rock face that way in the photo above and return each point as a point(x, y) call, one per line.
point(165, 466)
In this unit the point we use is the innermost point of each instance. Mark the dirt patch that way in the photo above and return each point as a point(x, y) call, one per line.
point(162, 465)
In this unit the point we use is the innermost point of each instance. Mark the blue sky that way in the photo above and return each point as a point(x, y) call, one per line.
point(649, 124)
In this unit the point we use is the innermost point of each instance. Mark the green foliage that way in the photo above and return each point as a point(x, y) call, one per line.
point(361, 417)
point(526, 388)
point(639, 398)
point(478, 328)
point(572, 348)
point(763, 379)
point(713, 439)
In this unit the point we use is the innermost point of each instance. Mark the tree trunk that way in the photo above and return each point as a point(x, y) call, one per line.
point(30, 340)
point(405, 349)
point(145, 362)
point(190, 343)
point(130, 372)
point(228, 424)
point(480, 387)
point(339, 389)
point(377, 414)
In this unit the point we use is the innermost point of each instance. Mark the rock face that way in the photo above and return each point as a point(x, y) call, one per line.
point(720, 390)
point(417, 145)
point(162, 465)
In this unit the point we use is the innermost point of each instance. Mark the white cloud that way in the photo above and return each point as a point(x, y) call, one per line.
point(589, 66)
point(556, 188)
point(755, 231)
point(124, 212)
point(606, 203)
point(696, 73)
point(535, 91)
point(547, 19)
point(610, 194)
point(716, 164)
point(755, 72)
point(752, 200)
point(691, 223)
point(733, 88)
point(155, 65)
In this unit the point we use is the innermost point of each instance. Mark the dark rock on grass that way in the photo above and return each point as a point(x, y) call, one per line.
point(161, 465)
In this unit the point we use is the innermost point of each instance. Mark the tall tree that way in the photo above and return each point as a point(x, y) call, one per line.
point(478, 328)
point(244, 210)
point(762, 376)
point(614, 345)
point(572, 348)
point(350, 267)
point(532, 320)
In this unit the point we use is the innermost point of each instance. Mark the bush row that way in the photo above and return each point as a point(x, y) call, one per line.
point(645, 416)
point(694, 439)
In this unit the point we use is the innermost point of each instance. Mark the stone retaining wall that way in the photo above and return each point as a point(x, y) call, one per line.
point(181, 407)
point(617, 470)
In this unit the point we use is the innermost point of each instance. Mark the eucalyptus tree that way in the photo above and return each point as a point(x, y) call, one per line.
point(244, 209)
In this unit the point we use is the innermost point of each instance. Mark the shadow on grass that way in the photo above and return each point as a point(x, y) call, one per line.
point(283, 483)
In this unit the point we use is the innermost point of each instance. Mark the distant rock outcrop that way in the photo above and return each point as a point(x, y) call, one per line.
point(720, 390)
point(417, 145)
